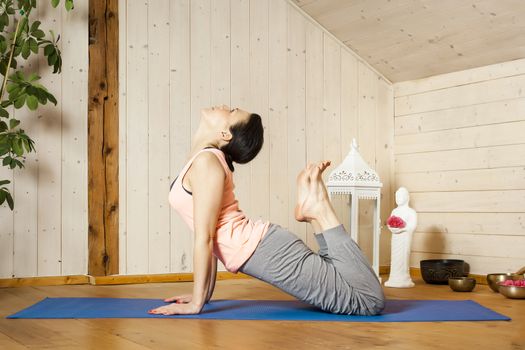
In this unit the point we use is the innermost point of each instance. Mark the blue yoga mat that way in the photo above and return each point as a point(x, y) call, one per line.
point(282, 310)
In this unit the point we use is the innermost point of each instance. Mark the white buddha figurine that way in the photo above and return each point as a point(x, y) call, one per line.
point(401, 240)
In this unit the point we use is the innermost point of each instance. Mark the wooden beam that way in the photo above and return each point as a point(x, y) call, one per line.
point(110, 280)
point(161, 278)
point(103, 200)
point(43, 281)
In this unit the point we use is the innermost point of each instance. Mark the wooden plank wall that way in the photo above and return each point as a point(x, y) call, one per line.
point(46, 234)
point(313, 94)
point(460, 150)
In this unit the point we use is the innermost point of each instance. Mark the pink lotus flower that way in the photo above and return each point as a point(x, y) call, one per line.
point(518, 283)
point(396, 222)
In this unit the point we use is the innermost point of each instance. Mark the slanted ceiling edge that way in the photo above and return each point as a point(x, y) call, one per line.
point(359, 58)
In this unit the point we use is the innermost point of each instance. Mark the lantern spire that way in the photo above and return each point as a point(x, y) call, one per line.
point(353, 172)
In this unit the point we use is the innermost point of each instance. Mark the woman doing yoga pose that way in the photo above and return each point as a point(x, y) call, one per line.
point(337, 279)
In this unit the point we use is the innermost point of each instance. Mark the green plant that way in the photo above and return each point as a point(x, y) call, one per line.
point(26, 39)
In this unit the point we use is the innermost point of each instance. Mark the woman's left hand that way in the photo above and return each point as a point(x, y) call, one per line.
point(176, 308)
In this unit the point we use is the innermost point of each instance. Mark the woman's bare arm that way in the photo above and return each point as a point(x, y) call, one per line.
point(213, 277)
point(207, 183)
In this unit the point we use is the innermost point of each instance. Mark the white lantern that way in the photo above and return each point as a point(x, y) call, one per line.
point(355, 178)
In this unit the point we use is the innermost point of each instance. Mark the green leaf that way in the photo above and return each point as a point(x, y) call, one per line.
point(4, 21)
point(17, 162)
point(31, 144)
point(52, 59)
point(17, 51)
point(20, 143)
point(31, 90)
point(39, 34)
point(51, 98)
point(33, 77)
point(69, 5)
point(42, 96)
point(15, 93)
point(17, 148)
point(55, 3)
point(20, 75)
point(58, 65)
point(39, 86)
point(49, 49)
point(33, 45)
point(4, 182)
point(34, 26)
point(14, 63)
point(4, 113)
point(6, 161)
point(4, 149)
point(10, 201)
point(32, 102)
point(13, 123)
point(3, 44)
point(12, 87)
point(19, 102)
point(26, 49)
point(3, 194)
point(27, 146)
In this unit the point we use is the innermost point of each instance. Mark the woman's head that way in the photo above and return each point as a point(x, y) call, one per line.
point(239, 134)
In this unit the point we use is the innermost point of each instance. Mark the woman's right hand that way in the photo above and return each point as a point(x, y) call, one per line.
point(181, 299)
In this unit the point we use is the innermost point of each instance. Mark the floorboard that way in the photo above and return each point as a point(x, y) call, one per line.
point(213, 334)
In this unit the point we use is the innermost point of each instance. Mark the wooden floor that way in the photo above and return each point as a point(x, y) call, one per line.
point(212, 334)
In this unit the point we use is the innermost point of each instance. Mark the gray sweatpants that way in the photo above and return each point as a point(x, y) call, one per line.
point(338, 279)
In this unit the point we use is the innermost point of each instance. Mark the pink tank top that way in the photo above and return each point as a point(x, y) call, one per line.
point(237, 236)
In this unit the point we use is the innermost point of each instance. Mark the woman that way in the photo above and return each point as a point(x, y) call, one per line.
point(338, 279)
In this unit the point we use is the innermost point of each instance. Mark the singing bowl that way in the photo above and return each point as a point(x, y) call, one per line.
point(462, 284)
point(512, 292)
point(493, 279)
point(438, 271)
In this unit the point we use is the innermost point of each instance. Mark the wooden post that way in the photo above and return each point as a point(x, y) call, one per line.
point(103, 138)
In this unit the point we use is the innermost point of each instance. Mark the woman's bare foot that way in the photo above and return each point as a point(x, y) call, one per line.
point(303, 183)
point(304, 187)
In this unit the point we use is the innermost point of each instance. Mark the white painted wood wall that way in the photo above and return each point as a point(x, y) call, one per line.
point(460, 150)
point(313, 94)
point(459, 137)
point(46, 234)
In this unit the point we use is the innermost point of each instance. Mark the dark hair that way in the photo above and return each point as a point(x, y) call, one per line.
point(246, 142)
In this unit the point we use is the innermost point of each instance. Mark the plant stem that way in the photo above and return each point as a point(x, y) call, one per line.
point(9, 62)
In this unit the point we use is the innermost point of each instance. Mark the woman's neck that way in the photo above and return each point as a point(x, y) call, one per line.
point(199, 143)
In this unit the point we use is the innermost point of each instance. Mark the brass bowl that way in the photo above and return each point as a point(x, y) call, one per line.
point(512, 292)
point(462, 284)
point(494, 278)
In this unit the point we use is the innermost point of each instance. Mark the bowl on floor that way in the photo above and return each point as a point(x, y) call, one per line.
point(438, 271)
point(512, 292)
point(493, 279)
point(462, 284)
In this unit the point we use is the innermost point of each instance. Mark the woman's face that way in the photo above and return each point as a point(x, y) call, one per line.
point(221, 118)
